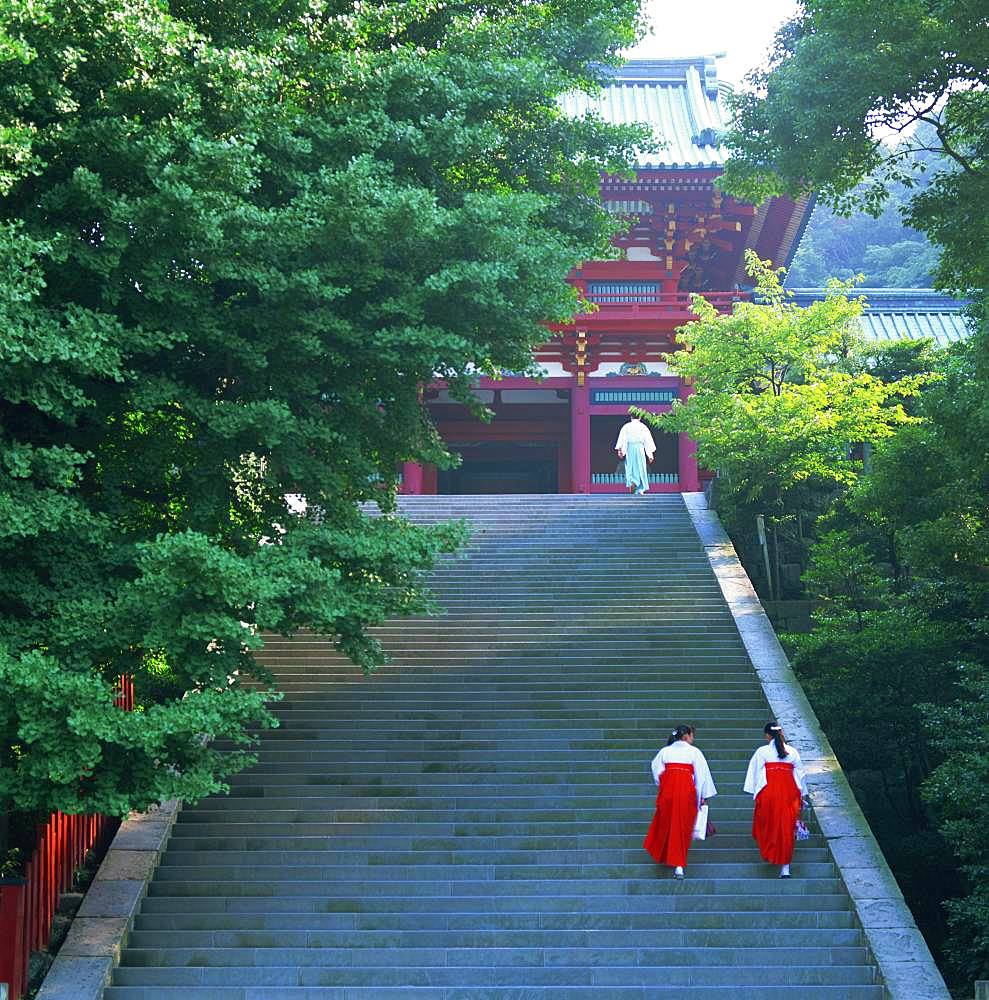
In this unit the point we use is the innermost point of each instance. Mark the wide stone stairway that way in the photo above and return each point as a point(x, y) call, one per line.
point(468, 822)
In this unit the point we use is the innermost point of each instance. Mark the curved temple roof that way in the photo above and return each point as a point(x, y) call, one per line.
point(680, 98)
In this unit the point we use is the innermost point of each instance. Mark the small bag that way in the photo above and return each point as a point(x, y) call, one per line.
point(701, 824)
point(800, 831)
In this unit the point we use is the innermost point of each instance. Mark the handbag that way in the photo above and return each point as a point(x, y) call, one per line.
point(800, 831)
point(701, 824)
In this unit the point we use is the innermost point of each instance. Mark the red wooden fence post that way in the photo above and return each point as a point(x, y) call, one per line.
point(13, 954)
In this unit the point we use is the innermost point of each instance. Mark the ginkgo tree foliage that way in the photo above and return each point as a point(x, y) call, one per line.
point(235, 239)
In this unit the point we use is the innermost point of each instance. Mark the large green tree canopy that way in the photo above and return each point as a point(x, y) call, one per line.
point(235, 238)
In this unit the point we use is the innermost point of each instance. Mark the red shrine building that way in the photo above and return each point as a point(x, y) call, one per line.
point(556, 434)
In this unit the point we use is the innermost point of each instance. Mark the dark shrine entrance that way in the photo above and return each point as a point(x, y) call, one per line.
point(502, 467)
point(524, 448)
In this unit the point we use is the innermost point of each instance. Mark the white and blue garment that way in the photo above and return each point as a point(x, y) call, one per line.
point(635, 444)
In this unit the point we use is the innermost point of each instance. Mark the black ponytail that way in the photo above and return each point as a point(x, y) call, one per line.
point(775, 730)
point(679, 733)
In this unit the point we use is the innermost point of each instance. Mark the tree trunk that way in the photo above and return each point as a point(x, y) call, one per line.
point(776, 563)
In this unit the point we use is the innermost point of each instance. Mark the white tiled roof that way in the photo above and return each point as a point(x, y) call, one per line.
point(680, 99)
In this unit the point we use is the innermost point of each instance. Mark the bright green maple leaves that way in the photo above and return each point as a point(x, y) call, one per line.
point(778, 398)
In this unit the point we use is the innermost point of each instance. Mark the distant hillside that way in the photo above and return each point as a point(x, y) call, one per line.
point(887, 252)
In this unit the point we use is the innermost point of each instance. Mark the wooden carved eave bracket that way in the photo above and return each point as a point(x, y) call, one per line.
point(673, 233)
point(580, 356)
point(579, 359)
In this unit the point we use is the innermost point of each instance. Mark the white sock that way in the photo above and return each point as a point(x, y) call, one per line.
point(785, 870)
point(678, 870)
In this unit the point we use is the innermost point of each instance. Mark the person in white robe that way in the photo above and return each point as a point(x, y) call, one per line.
point(636, 447)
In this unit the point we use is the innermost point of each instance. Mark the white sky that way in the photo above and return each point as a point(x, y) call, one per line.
point(742, 29)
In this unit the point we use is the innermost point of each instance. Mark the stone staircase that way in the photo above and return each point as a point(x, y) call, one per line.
point(467, 823)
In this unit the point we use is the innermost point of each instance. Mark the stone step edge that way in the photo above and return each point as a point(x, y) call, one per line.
point(905, 965)
point(84, 965)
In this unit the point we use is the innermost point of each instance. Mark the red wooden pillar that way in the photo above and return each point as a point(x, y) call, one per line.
point(13, 951)
point(687, 472)
point(580, 440)
point(412, 478)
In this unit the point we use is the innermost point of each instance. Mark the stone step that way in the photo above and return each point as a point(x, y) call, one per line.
point(642, 749)
point(444, 724)
point(286, 821)
point(579, 776)
point(453, 968)
point(408, 837)
point(396, 682)
point(802, 924)
point(341, 750)
point(475, 875)
point(665, 900)
point(597, 992)
point(470, 810)
point(755, 942)
point(614, 651)
point(678, 674)
point(736, 832)
point(716, 883)
point(581, 858)
point(540, 712)
point(475, 732)
point(464, 795)
point(321, 779)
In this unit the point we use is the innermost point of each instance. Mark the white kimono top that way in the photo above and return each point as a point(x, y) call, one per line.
point(635, 430)
point(755, 778)
point(682, 752)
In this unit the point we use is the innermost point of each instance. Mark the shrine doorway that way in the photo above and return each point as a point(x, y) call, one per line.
point(502, 467)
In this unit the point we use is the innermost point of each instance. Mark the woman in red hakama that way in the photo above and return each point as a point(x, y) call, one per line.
point(685, 782)
point(776, 780)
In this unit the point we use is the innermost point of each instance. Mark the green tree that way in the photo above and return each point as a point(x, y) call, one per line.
point(880, 247)
point(867, 673)
point(899, 642)
point(930, 483)
point(781, 395)
point(843, 76)
point(234, 240)
point(843, 574)
point(957, 792)
point(776, 399)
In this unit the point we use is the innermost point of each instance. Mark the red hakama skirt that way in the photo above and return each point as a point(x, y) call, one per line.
point(670, 832)
point(777, 809)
